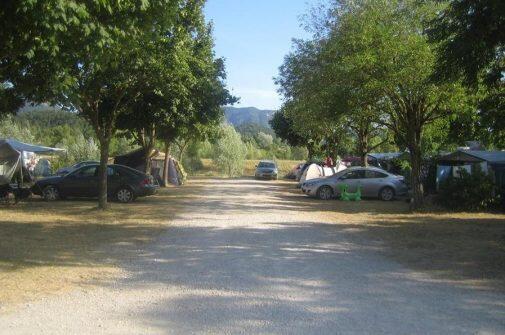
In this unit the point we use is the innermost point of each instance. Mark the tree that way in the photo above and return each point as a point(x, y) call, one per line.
point(471, 40)
point(284, 129)
point(94, 65)
point(265, 141)
point(200, 119)
point(229, 152)
point(173, 66)
point(398, 63)
point(9, 128)
point(10, 101)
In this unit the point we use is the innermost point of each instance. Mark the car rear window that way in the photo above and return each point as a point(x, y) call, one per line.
point(266, 165)
point(355, 174)
point(88, 171)
point(375, 174)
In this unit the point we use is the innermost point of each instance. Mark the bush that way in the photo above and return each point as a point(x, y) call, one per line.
point(78, 149)
point(230, 152)
point(472, 192)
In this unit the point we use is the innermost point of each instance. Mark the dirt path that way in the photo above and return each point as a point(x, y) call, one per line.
point(243, 258)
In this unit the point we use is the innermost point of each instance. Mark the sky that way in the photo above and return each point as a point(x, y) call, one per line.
point(254, 36)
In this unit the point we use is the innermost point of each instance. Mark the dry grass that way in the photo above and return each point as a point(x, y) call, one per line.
point(210, 170)
point(467, 248)
point(51, 247)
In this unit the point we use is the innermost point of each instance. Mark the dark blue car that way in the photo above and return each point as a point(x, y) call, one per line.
point(124, 184)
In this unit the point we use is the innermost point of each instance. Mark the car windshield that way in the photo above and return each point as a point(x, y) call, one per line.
point(266, 165)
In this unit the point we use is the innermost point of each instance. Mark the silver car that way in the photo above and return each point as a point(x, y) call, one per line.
point(374, 182)
point(266, 170)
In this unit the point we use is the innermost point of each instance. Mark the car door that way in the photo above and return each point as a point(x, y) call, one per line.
point(352, 179)
point(81, 182)
point(113, 179)
point(373, 183)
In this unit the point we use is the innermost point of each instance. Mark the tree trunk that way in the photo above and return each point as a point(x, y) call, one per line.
point(102, 172)
point(165, 164)
point(364, 158)
point(147, 140)
point(310, 152)
point(182, 148)
point(415, 178)
point(414, 132)
point(363, 149)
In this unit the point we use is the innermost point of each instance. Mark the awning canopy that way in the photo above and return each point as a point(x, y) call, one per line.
point(473, 156)
point(11, 154)
point(38, 149)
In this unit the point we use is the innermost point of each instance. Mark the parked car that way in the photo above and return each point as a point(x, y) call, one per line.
point(123, 184)
point(374, 182)
point(64, 170)
point(266, 170)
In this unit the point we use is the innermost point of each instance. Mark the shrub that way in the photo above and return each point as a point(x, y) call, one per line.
point(472, 192)
point(230, 152)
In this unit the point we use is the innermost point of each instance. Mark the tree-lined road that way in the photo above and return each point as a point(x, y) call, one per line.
point(245, 257)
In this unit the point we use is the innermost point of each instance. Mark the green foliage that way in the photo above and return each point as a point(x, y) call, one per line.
point(193, 158)
point(264, 141)
point(249, 130)
point(284, 128)
point(9, 128)
point(230, 152)
point(471, 40)
point(10, 100)
point(469, 192)
point(142, 64)
point(78, 149)
point(367, 75)
point(62, 129)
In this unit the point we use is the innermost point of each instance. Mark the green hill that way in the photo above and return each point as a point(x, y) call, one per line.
point(247, 115)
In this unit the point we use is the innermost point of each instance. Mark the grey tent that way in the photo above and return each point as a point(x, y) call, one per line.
point(11, 157)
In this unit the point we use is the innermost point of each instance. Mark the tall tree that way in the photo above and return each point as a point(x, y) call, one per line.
point(95, 64)
point(390, 48)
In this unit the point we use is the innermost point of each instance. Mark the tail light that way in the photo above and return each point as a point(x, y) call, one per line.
point(145, 181)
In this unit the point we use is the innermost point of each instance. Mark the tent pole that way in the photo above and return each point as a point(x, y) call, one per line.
point(20, 182)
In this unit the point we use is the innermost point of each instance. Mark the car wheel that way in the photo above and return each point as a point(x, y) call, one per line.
point(325, 193)
point(50, 193)
point(387, 194)
point(125, 195)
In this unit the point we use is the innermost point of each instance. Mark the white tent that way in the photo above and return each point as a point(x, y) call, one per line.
point(317, 171)
point(13, 154)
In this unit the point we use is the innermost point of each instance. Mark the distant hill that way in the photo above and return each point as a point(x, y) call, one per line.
point(238, 116)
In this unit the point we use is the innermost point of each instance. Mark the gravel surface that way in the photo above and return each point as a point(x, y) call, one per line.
point(242, 258)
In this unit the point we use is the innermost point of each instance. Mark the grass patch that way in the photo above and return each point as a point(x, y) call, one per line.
point(467, 248)
point(50, 247)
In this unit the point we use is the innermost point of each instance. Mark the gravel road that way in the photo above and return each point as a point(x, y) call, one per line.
point(243, 258)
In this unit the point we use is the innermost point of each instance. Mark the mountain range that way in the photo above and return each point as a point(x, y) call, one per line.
point(238, 116)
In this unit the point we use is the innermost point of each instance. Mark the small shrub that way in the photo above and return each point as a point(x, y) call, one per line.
point(471, 192)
